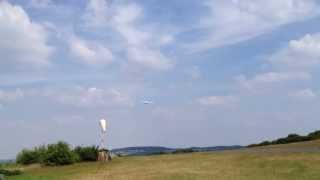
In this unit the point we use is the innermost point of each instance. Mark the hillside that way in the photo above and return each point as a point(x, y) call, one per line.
point(297, 161)
point(307, 146)
point(291, 138)
point(154, 150)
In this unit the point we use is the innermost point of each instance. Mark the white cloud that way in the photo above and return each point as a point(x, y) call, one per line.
point(272, 77)
point(91, 53)
point(142, 43)
point(235, 21)
point(124, 20)
point(263, 80)
point(295, 62)
point(23, 42)
point(85, 97)
point(304, 94)
point(40, 3)
point(149, 58)
point(217, 100)
point(96, 13)
point(302, 53)
point(275, 77)
point(90, 97)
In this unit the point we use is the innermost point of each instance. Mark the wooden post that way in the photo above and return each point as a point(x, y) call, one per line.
point(104, 155)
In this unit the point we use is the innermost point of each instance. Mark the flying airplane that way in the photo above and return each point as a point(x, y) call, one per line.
point(147, 102)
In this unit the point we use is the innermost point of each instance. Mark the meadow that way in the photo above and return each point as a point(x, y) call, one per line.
point(298, 161)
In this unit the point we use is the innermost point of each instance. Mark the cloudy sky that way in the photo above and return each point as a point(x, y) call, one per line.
point(168, 73)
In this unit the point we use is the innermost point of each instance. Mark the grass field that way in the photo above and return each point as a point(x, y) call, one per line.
point(299, 161)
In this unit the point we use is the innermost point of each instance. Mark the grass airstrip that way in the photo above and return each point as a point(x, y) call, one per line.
point(298, 161)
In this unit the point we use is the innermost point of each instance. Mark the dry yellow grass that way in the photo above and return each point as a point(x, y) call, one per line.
point(220, 166)
point(267, 163)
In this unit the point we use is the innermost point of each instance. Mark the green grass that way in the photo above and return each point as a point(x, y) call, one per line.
point(267, 163)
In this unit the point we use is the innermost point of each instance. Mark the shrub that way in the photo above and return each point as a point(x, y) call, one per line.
point(265, 143)
point(87, 153)
point(41, 152)
point(314, 135)
point(10, 172)
point(183, 150)
point(252, 145)
point(27, 157)
point(31, 156)
point(59, 154)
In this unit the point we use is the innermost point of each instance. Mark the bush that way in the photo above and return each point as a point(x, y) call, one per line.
point(265, 143)
point(183, 150)
point(10, 172)
point(41, 152)
point(314, 135)
point(87, 153)
point(27, 157)
point(31, 156)
point(59, 154)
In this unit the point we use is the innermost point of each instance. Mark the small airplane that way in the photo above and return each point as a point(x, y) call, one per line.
point(147, 102)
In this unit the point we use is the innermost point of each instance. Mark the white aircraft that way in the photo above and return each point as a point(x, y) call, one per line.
point(147, 102)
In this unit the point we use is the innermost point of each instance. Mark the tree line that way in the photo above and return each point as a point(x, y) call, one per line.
point(56, 154)
point(291, 138)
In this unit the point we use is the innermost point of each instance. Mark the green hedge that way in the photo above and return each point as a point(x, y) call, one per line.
point(57, 154)
point(87, 153)
point(35, 155)
point(10, 172)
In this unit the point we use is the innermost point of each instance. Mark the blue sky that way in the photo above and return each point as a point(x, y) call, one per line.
point(167, 73)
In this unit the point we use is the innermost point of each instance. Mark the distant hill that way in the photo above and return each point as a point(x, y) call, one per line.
point(152, 150)
point(215, 148)
point(143, 150)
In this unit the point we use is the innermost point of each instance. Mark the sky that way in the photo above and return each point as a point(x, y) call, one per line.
point(172, 73)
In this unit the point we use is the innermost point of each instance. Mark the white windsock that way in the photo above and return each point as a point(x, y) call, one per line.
point(103, 124)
